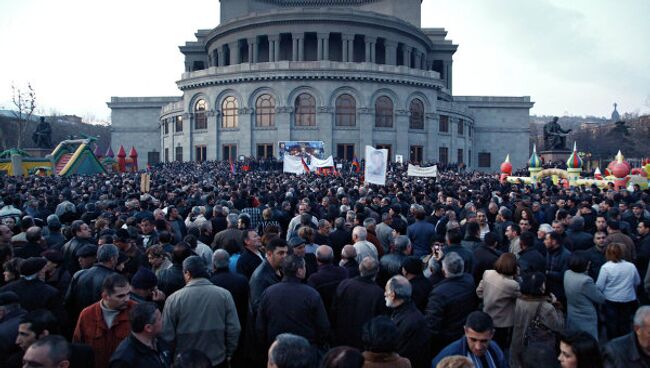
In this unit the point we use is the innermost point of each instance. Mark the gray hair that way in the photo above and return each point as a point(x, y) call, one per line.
point(453, 265)
point(195, 266)
point(232, 219)
point(291, 350)
point(339, 223)
point(546, 228)
point(322, 223)
point(369, 222)
point(106, 252)
point(324, 254)
point(401, 286)
point(641, 315)
point(401, 243)
point(360, 232)
point(220, 259)
point(368, 267)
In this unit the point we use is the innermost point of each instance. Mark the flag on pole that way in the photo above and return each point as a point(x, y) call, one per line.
point(304, 166)
point(356, 166)
point(232, 167)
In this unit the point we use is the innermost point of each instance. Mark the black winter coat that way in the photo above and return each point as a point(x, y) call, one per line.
point(412, 335)
point(36, 294)
point(85, 289)
point(238, 287)
point(484, 258)
point(356, 301)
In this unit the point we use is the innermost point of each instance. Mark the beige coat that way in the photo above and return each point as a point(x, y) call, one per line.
point(499, 294)
point(525, 310)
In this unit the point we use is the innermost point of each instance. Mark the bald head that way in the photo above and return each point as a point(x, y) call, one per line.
point(33, 234)
point(349, 252)
point(325, 254)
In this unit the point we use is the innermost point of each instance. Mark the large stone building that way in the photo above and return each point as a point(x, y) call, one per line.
point(349, 73)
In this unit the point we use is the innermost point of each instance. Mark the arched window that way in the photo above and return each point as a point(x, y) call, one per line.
point(416, 121)
point(305, 110)
point(229, 110)
point(384, 112)
point(265, 111)
point(346, 111)
point(200, 118)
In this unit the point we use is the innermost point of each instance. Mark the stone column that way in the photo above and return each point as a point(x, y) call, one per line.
point(274, 47)
point(235, 58)
point(431, 126)
point(246, 123)
point(323, 46)
point(366, 128)
point(370, 49)
point(402, 133)
point(324, 123)
point(294, 48)
point(217, 128)
point(391, 52)
point(301, 47)
point(283, 122)
point(252, 50)
point(220, 57)
point(407, 55)
point(347, 42)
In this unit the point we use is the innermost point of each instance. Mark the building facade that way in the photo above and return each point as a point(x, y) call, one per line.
point(349, 73)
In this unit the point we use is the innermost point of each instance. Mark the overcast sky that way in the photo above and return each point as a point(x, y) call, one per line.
point(572, 57)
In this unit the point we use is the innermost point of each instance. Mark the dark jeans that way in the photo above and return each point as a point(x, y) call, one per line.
point(618, 317)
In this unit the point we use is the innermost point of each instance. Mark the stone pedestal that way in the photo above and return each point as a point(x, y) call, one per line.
point(554, 155)
point(38, 152)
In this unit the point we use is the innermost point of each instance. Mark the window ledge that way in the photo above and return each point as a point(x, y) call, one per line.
point(305, 127)
point(228, 129)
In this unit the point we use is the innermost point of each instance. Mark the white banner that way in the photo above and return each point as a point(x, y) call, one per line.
point(376, 162)
point(293, 164)
point(316, 163)
point(429, 172)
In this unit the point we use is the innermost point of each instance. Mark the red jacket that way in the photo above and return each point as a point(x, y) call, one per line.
point(92, 330)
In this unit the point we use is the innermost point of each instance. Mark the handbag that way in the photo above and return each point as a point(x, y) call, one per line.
point(538, 335)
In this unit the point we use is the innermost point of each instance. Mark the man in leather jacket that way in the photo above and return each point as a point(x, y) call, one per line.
point(81, 236)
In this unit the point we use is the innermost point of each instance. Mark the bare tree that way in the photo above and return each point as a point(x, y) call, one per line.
point(25, 103)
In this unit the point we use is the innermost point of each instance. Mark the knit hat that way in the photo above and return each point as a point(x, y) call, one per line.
point(144, 279)
point(32, 266)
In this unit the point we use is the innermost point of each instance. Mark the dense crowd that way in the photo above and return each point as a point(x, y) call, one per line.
point(221, 266)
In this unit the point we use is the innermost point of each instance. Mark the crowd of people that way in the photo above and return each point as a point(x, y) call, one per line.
point(216, 267)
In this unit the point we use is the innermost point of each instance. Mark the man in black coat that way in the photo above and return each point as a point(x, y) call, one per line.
point(578, 238)
point(328, 277)
point(10, 315)
point(530, 260)
point(454, 237)
point(251, 256)
point(420, 285)
point(32, 291)
point(82, 236)
point(596, 254)
point(86, 285)
point(450, 302)
point(268, 272)
point(349, 261)
point(413, 334)
point(357, 301)
point(485, 255)
point(340, 237)
point(233, 282)
point(292, 307)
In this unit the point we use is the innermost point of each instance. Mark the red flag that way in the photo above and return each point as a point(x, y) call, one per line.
point(304, 166)
point(356, 165)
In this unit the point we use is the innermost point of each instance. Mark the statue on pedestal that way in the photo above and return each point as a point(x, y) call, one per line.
point(555, 136)
point(42, 136)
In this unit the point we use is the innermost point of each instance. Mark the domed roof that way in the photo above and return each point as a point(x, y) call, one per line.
point(534, 161)
point(574, 161)
point(615, 115)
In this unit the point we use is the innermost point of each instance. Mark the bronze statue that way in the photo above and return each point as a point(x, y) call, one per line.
point(555, 136)
point(43, 134)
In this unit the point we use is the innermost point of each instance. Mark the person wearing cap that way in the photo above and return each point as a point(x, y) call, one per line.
point(420, 285)
point(55, 274)
point(86, 285)
point(126, 245)
point(104, 324)
point(144, 287)
point(32, 291)
point(87, 256)
point(11, 313)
